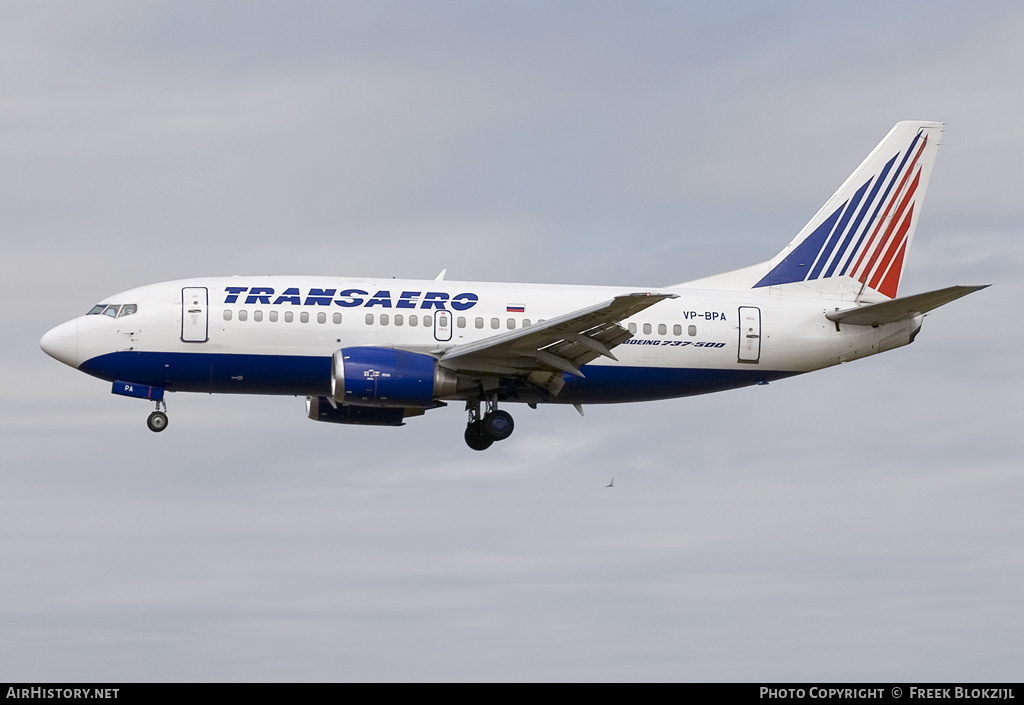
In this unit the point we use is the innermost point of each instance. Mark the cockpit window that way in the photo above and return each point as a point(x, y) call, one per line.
point(113, 310)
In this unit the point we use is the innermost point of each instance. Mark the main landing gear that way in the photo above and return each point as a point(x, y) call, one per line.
point(494, 425)
point(157, 421)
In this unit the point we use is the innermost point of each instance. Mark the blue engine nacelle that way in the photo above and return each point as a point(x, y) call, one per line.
point(384, 377)
point(321, 409)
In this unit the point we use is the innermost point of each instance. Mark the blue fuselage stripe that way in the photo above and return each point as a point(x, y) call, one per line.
point(310, 376)
point(217, 373)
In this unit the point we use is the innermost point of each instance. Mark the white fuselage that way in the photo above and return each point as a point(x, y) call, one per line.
point(276, 334)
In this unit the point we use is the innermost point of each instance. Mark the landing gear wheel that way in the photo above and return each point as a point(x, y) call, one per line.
point(498, 425)
point(476, 438)
point(157, 421)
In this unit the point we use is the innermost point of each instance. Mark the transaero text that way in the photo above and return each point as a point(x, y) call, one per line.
point(350, 298)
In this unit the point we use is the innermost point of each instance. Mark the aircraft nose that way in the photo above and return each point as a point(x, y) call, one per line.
point(61, 343)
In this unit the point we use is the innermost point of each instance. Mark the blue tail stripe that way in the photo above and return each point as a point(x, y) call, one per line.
point(830, 247)
point(865, 207)
point(794, 267)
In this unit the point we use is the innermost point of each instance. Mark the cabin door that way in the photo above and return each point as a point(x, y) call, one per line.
point(750, 334)
point(443, 326)
point(195, 315)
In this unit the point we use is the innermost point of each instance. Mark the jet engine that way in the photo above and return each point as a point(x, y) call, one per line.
point(385, 377)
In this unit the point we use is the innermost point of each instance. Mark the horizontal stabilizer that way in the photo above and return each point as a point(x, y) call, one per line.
point(900, 309)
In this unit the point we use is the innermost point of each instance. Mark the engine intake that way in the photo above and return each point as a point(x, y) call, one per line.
point(385, 377)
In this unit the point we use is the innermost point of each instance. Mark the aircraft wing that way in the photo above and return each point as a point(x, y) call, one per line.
point(541, 352)
point(899, 309)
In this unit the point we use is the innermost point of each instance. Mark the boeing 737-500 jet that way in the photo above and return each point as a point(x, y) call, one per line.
point(378, 351)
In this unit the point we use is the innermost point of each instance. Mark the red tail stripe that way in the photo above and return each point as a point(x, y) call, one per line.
point(871, 241)
point(891, 283)
point(892, 270)
point(887, 242)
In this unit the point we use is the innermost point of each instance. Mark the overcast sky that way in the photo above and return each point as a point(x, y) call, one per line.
point(859, 523)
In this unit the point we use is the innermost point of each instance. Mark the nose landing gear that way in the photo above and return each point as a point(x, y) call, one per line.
point(157, 420)
point(494, 425)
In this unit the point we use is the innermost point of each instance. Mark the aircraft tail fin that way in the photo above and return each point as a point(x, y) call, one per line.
point(855, 246)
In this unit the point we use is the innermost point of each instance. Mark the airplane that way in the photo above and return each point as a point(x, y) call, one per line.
point(377, 351)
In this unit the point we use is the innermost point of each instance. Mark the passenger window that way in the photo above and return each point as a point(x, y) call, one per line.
point(510, 324)
point(526, 322)
point(427, 321)
point(677, 330)
point(369, 319)
point(479, 322)
point(289, 316)
point(495, 323)
point(399, 319)
point(461, 321)
point(243, 315)
point(383, 319)
point(227, 314)
point(662, 330)
point(414, 321)
point(632, 328)
point(647, 328)
point(304, 317)
point(337, 318)
point(321, 317)
point(691, 330)
point(273, 316)
point(257, 316)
